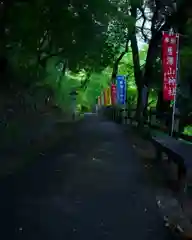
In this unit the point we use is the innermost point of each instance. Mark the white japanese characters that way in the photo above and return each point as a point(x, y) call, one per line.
point(169, 64)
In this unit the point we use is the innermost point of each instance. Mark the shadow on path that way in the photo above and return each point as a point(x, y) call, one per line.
point(92, 187)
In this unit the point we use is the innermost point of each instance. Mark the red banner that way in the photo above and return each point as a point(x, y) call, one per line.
point(113, 94)
point(169, 61)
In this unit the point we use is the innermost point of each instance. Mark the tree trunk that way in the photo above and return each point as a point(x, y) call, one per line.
point(3, 56)
point(136, 64)
point(145, 110)
point(62, 73)
point(117, 61)
point(162, 106)
point(163, 110)
point(115, 71)
point(139, 103)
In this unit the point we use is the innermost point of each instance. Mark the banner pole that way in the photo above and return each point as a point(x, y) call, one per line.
point(175, 95)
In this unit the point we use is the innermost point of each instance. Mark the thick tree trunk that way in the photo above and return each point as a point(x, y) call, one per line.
point(136, 64)
point(145, 110)
point(139, 103)
point(162, 106)
point(163, 110)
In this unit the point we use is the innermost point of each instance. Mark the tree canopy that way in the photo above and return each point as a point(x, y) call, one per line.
point(83, 45)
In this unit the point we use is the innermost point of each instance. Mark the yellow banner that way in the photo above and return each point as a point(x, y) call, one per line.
point(105, 95)
point(108, 96)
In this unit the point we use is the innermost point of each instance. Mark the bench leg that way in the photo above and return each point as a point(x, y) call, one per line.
point(179, 184)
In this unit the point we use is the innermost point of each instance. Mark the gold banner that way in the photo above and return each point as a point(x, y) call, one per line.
point(108, 96)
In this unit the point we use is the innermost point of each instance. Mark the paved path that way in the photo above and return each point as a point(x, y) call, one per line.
point(93, 187)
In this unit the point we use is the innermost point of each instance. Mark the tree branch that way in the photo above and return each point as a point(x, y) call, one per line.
point(143, 24)
point(42, 41)
point(116, 63)
point(42, 60)
point(152, 101)
point(85, 83)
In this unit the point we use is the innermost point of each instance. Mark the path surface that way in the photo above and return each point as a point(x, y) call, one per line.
point(92, 187)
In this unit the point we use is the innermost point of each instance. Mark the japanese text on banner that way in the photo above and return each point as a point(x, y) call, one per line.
point(169, 61)
point(121, 89)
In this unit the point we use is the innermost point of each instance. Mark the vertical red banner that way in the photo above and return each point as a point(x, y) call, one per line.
point(169, 62)
point(113, 94)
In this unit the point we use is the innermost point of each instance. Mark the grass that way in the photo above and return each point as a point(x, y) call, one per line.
point(188, 130)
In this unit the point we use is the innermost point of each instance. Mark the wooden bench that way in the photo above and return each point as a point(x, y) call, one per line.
point(179, 152)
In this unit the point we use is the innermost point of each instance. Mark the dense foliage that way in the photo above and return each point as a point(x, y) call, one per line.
point(50, 48)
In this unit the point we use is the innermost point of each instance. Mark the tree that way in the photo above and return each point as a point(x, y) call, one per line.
point(44, 29)
point(164, 15)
